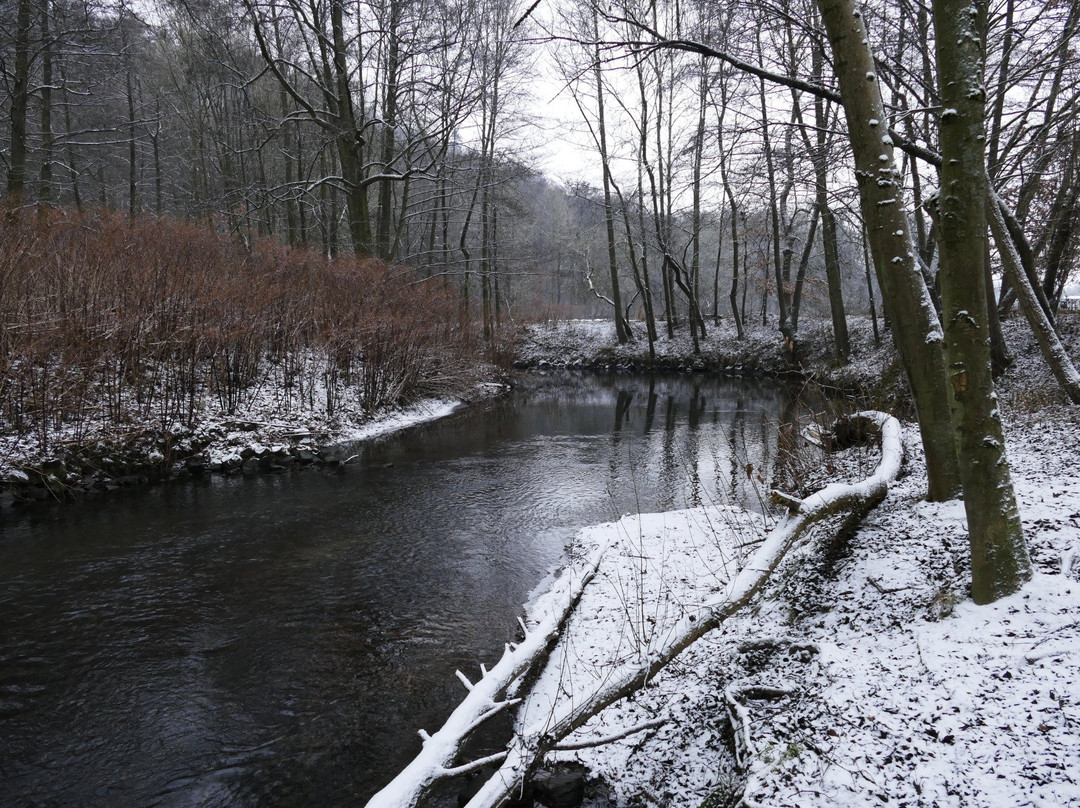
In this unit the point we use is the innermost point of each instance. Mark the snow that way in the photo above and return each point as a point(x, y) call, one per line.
point(427, 410)
point(269, 418)
point(228, 450)
point(865, 673)
point(591, 343)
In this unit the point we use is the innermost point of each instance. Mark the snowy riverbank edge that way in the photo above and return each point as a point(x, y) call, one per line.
point(865, 676)
point(274, 429)
point(265, 438)
point(591, 344)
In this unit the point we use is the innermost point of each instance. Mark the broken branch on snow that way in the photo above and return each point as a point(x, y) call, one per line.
point(435, 761)
point(544, 734)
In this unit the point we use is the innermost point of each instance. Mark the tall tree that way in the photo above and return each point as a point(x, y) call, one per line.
point(915, 326)
point(20, 100)
point(622, 327)
point(999, 558)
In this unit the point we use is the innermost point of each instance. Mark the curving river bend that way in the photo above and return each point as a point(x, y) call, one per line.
point(278, 640)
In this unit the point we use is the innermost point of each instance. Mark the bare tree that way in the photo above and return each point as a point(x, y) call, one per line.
point(999, 558)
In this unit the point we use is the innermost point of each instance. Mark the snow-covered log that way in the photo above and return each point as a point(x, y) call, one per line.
point(486, 696)
point(533, 740)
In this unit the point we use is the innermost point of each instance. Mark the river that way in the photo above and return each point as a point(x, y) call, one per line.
point(278, 640)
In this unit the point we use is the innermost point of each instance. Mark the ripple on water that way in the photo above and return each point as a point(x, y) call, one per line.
point(278, 641)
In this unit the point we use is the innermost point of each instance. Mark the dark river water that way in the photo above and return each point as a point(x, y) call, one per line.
point(278, 640)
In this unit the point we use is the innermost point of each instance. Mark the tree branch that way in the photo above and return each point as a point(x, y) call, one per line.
point(528, 747)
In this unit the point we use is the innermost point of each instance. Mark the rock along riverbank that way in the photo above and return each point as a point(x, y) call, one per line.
point(265, 441)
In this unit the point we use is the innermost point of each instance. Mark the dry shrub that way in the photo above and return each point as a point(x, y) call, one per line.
point(105, 320)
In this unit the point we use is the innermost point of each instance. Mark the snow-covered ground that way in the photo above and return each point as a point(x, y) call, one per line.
point(272, 423)
point(592, 343)
point(864, 676)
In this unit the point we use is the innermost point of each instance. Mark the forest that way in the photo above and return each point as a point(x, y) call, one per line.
point(400, 132)
point(333, 208)
point(409, 130)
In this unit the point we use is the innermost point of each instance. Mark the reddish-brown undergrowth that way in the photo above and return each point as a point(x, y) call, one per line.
point(106, 320)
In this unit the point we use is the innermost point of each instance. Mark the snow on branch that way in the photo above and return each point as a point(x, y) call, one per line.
point(436, 758)
point(570, 746)
point(543, 732)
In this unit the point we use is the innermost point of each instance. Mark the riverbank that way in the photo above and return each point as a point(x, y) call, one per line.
point(270, 434)
point(289, 419)
point(142, 349)
point(591, 344)
point(865, 675)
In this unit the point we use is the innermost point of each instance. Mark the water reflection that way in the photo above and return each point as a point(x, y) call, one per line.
point(278, 640)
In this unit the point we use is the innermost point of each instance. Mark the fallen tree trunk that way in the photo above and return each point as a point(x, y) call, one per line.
point(1057, 358)
point(485, 698)
point(531, 742)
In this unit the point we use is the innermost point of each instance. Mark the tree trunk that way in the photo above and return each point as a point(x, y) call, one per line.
point(20, 101)
point(350, 141)
point(133, 166)
point(69, 150)
point(622, 328)
point(804, 263)
point(774, 207)
point(999, 557)
point(915, 325)
point(695, 233)
point(733, 292)
point(1061, 226)
point(1049, 343)
point(640, 269)
point(828, 219)
point(45, 194)
point(389, 121)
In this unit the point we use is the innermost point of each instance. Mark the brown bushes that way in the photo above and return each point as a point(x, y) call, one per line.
point(104, 321)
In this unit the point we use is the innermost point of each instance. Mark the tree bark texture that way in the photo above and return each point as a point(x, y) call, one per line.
point(999, 558)
point(915, 325)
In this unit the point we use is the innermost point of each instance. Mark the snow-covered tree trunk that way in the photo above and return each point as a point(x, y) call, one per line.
point(915, 325)
point(999, 557)
point(1049, 343)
